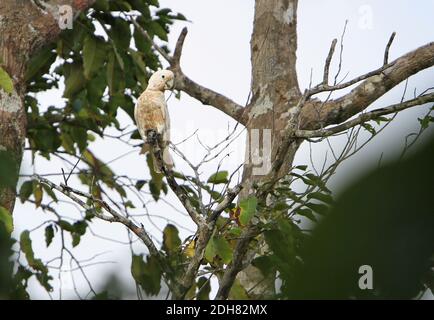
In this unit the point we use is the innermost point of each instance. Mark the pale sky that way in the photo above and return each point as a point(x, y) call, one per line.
point(217, 55)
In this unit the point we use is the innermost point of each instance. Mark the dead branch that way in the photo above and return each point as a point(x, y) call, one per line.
point(389, 44)
point(203, 94)
point(365, 117)
point(328, 61)
point(374, 85)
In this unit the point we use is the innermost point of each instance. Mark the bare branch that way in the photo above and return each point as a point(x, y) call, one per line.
point(204, 95)
point(324, 88)
point(375, 85)
point(230, 196)
point(116, 217)
point(328, 61)
point(389, 44)
point(176, 60)
point(372, 115)
point(153, 140)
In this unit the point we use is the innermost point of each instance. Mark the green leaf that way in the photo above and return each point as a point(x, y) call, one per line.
point(40, 62)
point(369, 128)
point(146, 274)
point(318, 208)
point(281, 206)
point(8, 170)
point(220, 247)
point(95, 88)
point(74, 79)
point(49, 235)
point(120, 33)
point(248, 209)
point(281, 242)
point(65, 225)
point(204, 288)
point(46, 140)
point(424, 122)
point(37, 193)
point(26, 247)
point(326, 198)
point(26, 190)
point(94, 54)
point(80, 227)
point(75, 239)
point(218, 177)
point(6, 82)
point(50, 192)
point(238, 292)
point(101, 5)
point(44, 279)
point(115, 77)
point(140, 184)
point(235, 231)
point(381, 119)
point(223, 250)
point(171, 240)
point(265, 265)
point(6, 219)
point(301, 167)
point(158, 30)
point(142, 43)
point(306, 213)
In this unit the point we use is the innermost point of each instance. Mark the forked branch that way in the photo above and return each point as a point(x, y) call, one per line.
point(365, 117)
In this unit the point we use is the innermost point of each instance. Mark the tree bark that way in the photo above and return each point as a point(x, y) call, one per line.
point(25, 27)
point(275, 92)
point(275, 88)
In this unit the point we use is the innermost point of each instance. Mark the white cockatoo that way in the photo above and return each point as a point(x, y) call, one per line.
point(151, 112)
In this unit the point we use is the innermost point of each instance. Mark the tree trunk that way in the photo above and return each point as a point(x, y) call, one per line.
point(275, 91)
point(25, 27)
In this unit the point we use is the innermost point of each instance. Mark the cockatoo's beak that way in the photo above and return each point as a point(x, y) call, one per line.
point(169, 84)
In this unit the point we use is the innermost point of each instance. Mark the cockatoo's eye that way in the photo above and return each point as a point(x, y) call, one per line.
point(163, 76)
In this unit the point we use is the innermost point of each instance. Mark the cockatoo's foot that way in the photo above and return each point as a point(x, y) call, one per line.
point(152, 136)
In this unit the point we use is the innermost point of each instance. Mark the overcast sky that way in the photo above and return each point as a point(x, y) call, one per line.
point(217, 55)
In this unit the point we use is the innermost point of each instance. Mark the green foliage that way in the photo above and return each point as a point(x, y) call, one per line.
point(218, 249)
point(238, 292)
point(425, 121)
point(248, 209)
point(171, 240)
point(218, 177)
point(102, 73)
point(13, 285)
point(204, 289)
point(147, 274)
point(8, 169)
point(77, 229)
point(6, 219)
point(5, 81)
point(49, 234)
point(282, 243)
point(384, 220)
point(36, 264)
point(105, 63)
